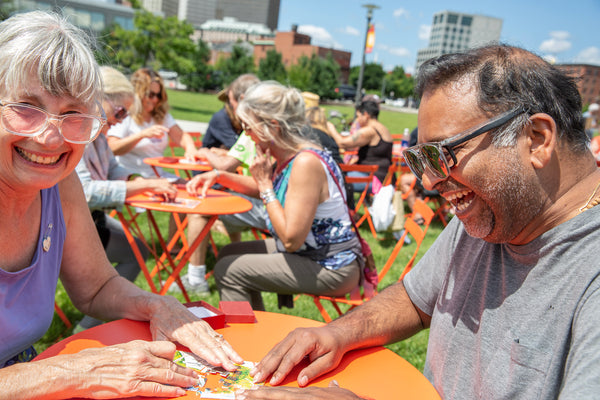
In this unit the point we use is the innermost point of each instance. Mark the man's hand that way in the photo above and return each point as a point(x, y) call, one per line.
point(323, 346)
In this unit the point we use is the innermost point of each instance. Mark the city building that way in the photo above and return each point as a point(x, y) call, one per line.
point(293, 45)
point(229, 29)
point(197, 12)
point(91, 15)
point(588, 80)
point(453, 31)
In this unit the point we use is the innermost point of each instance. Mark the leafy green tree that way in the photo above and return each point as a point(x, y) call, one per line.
point(203, 77)
point(299, 74)
point(315, 74)
point(238, 63)
point(6, 8)
point(372, 77)
point(398, 83)
point(325, 76)
point(271, 67)
point(157, 42)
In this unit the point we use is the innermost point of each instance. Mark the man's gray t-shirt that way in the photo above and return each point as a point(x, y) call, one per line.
point(513, 322)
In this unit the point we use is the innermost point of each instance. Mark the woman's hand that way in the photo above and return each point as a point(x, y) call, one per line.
point(173, 321)
point(322, 345)
point(161, 186)
point(262, 169)
point(137, 368)
point(155, 131)
point(200, 184)
point(333, 392)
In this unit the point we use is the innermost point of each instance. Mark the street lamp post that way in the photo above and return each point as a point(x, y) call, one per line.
point(370, 8)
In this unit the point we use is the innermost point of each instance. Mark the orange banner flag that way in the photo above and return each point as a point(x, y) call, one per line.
point(370, 39)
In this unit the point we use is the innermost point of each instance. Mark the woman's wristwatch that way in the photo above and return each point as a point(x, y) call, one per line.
point(268, 196)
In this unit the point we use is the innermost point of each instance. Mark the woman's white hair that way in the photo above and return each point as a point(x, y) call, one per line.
point(268, 102)
point(51, 49)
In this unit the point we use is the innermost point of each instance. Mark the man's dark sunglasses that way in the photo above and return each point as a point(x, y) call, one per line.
point(431, 155)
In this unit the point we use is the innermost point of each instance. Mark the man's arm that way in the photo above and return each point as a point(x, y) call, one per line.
point(389, 317)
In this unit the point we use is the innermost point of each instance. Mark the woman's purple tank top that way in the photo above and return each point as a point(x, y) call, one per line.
point(27, 296)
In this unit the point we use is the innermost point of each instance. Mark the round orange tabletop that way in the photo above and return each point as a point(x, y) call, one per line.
point(178, 163)
point(216, 202)
point(375, 373)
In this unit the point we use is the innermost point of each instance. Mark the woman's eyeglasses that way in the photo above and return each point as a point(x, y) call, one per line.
point(30, 121)
point(436, 156)
point(151, 95)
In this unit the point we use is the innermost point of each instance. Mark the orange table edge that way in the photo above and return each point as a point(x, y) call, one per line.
point(376, 373)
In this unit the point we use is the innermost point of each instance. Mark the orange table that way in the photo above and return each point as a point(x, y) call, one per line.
point(214, 204)
point(177, 163)
point(375, 373)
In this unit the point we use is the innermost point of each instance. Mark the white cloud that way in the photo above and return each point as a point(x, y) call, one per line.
point(400, 12)
point(320, 36)
point(350, 30)
point(396, 51)
point(558, 42)
point(591, 55)
point(424, 32)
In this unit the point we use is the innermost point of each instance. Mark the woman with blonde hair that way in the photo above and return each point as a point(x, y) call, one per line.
point(146, 132)
point(314, 247)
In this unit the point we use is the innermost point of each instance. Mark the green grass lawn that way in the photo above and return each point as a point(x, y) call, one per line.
point(199, 107)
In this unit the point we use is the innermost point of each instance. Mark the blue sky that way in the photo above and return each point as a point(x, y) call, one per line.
point(565, 30)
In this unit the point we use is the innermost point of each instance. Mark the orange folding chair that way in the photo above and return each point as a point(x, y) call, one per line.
point(367, 180)
point(62, 315)
point(416, 231)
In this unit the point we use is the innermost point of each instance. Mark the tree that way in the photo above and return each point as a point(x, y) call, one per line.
point(315, 74)
point(6, 8)
point(399, 83)
point(156, 42)
point(271, 67)
point(203, 77)
point(238, 63)
point(372, 76)
point(299, 75)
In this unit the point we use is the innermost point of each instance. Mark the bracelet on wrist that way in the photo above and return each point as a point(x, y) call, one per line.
point(217, 173)
point(268, 196)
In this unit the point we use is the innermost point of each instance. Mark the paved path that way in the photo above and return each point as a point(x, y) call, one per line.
point(192, 126)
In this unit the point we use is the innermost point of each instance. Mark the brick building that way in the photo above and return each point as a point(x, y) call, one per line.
point(588, 80)
point(293, 45)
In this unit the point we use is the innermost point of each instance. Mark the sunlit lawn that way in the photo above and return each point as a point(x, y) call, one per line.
point(199, 107)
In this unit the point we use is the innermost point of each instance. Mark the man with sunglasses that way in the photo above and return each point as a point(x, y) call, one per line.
point(511, 288)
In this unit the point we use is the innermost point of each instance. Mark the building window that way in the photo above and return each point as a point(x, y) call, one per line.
point(125, 23)
point(466, 21)
point(452, 18)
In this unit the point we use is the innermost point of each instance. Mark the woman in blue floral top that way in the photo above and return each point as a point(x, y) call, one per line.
point(314, 248)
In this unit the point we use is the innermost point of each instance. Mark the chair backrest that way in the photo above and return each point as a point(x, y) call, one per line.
point(367, 169)
point(416, 231)
point(196, 136)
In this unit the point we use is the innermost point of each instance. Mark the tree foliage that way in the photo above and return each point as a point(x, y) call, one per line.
point(271, 67)
point(397, 84)
point(156, 42)
point(238, 63)
point(372, 76)
point(204, 76)
point(315, 74)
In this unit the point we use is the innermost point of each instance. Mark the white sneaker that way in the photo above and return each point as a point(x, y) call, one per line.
point(200, 289)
